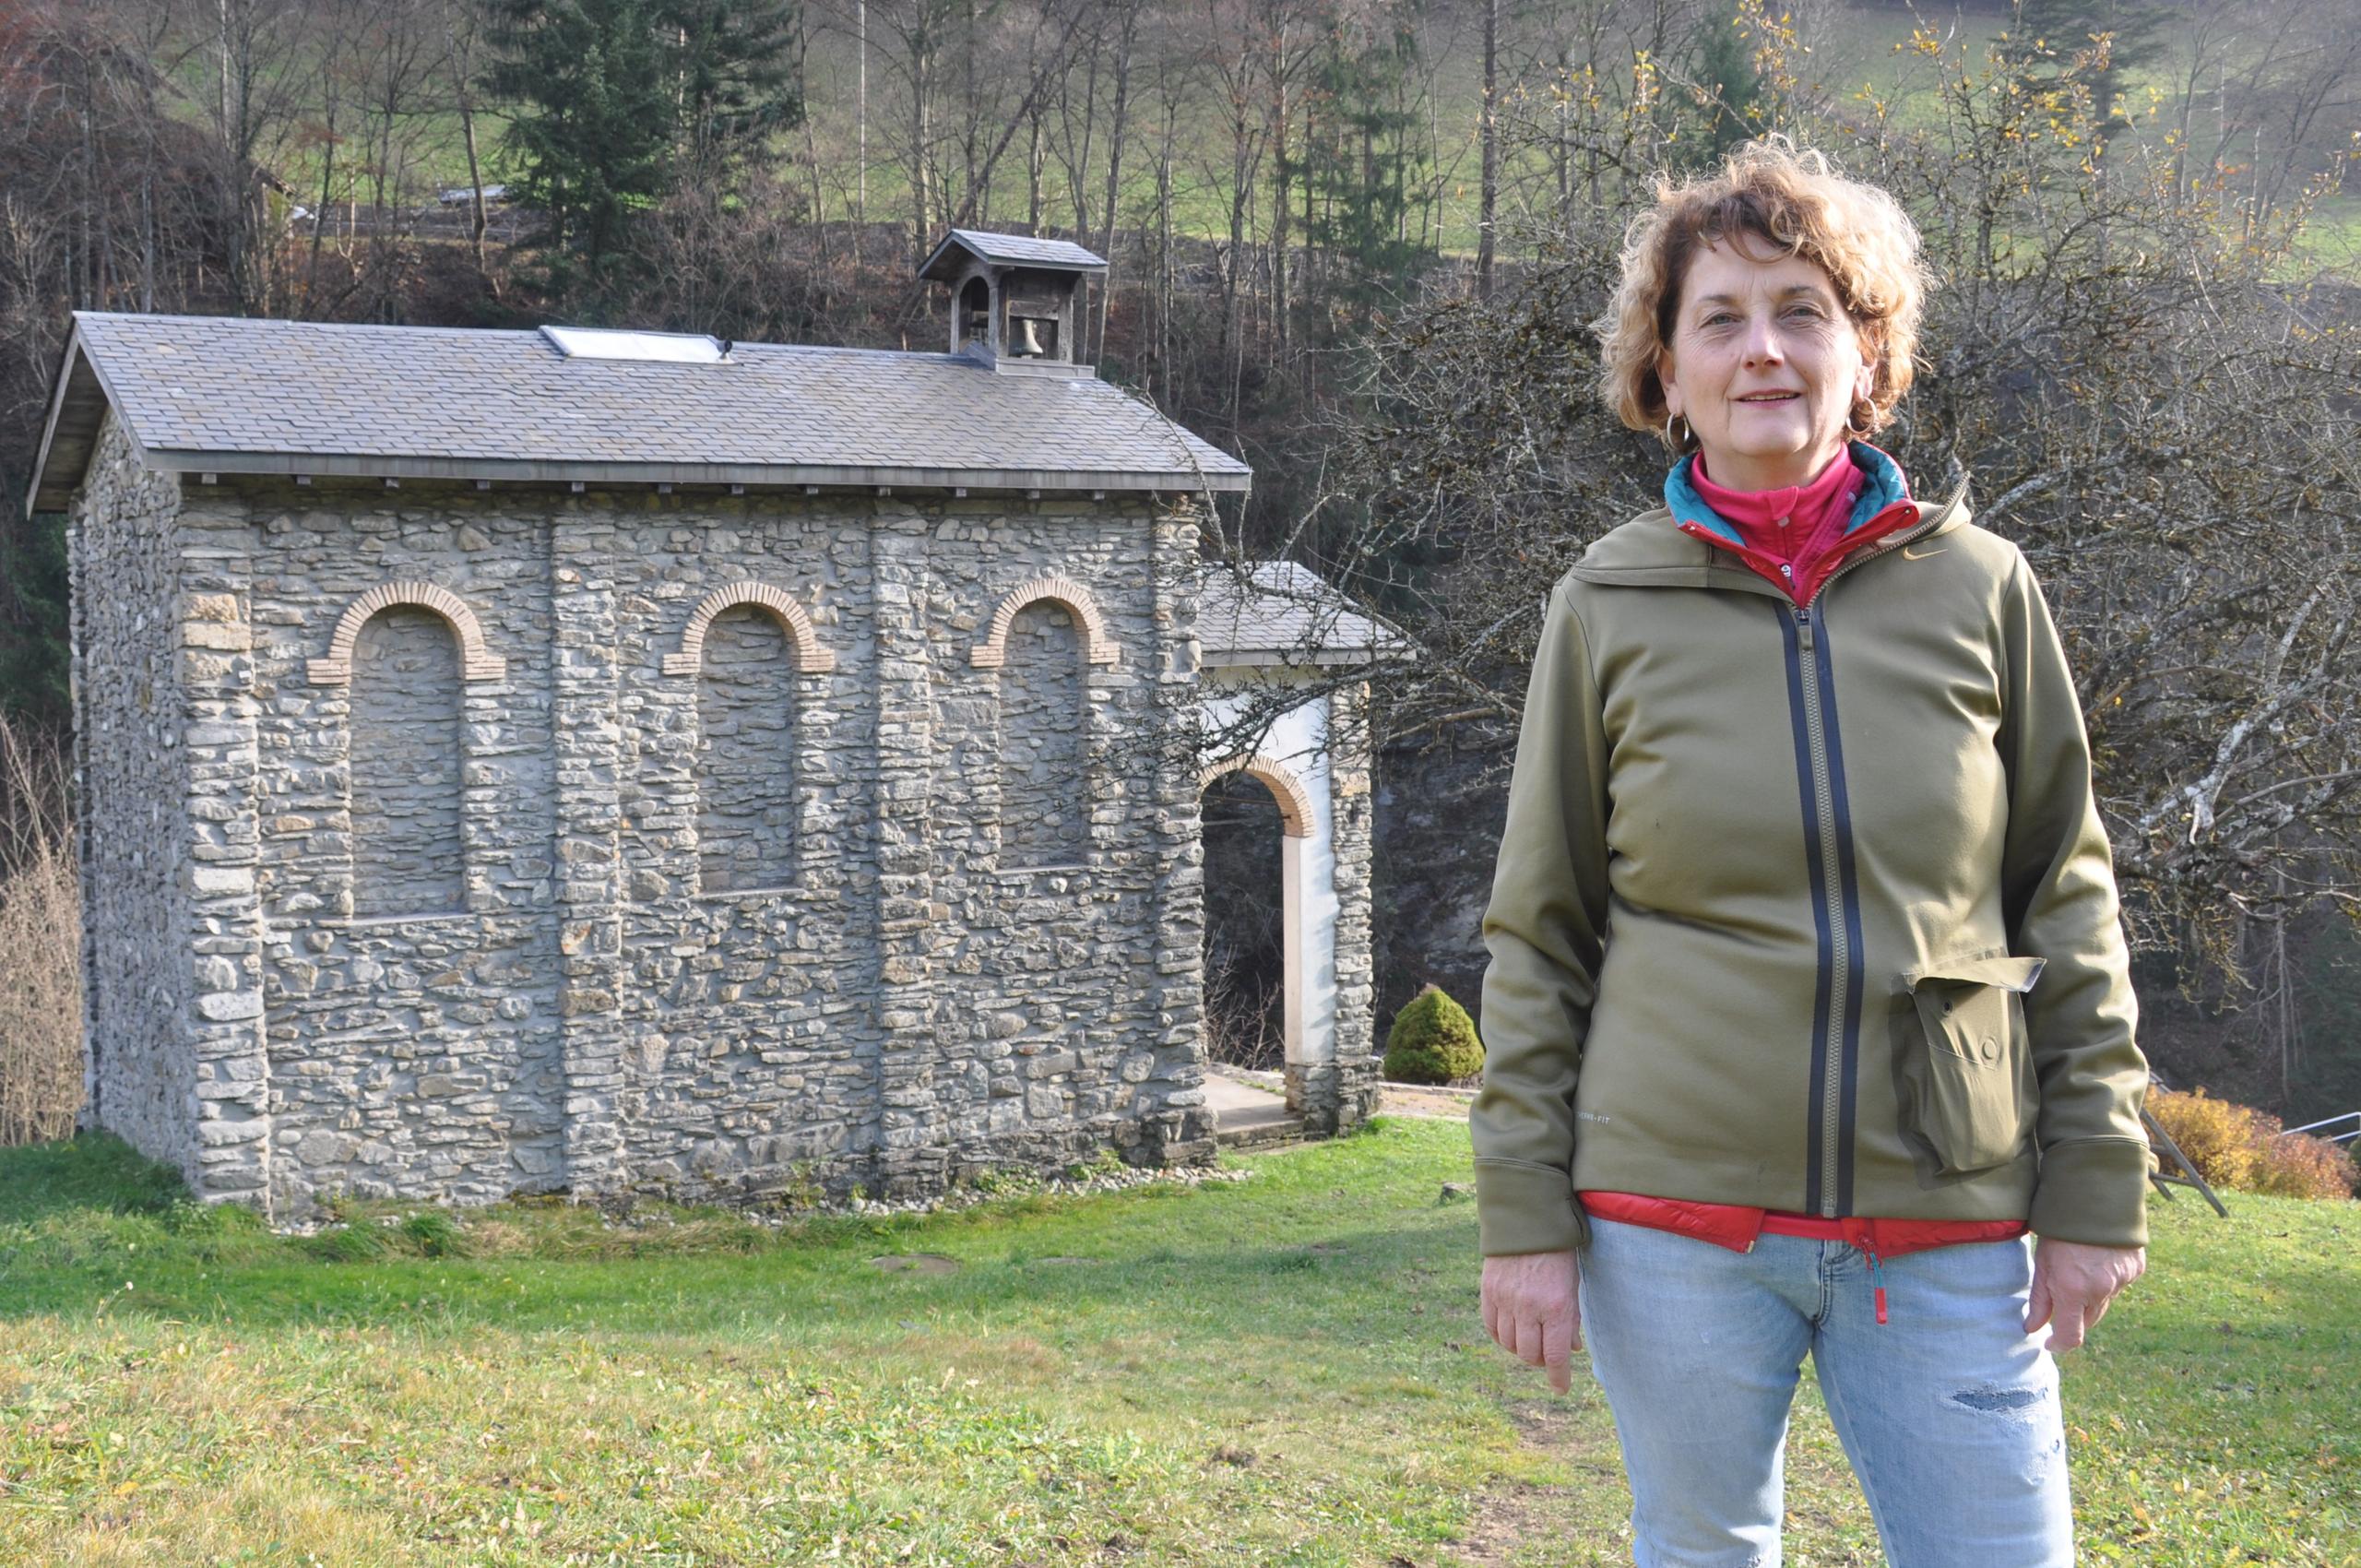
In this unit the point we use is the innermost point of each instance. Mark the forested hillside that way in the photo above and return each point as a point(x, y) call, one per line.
point(1360, 241)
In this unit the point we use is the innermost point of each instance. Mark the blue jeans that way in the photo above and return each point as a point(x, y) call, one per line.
point(1948, 1410)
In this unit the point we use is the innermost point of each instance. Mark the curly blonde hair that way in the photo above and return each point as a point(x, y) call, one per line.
point(1794, 201)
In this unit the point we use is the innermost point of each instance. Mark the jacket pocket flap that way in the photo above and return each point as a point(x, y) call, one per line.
point(2007, 972)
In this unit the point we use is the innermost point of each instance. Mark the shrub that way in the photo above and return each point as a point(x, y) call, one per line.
point(2297, 1165)
point(1432, 1042)
point(2218, 1138)
point(2242, 1149)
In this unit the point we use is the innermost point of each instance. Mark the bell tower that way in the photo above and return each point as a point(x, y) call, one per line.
point(1016, 302)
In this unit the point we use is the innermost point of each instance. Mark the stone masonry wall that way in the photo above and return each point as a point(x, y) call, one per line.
point(747, 1016)
point(134, 790)
point(1359, 1058)
point(166, 735)
point(413, 1050)
point(906, 1008)
point(898, 1014)
point(1048, 1032)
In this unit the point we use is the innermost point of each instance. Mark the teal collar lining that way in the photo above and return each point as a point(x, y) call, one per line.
point(1886, 487)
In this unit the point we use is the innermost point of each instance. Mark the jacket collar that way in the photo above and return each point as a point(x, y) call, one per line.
point(1651, 551)
point(1886, 486)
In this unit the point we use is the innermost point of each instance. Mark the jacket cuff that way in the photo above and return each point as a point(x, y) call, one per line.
point(2093, 1190)
point(1526, 1209)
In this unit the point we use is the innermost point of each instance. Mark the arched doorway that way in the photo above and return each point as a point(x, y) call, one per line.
point(1259, 827)
point(1245, 934)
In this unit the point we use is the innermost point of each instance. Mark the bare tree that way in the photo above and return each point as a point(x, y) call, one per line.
point(262, 57)
point(1126, 40)
point(923, 30)
point(2167, 433)
point(106, 203)
point(463, 65)
point(1489, 196)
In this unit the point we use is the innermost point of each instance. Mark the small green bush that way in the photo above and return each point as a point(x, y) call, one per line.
point(1432, 1042)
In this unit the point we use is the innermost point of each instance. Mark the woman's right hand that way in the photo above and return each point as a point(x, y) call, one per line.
point(1529, 1311)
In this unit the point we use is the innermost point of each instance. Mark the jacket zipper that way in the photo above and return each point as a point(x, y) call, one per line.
point(1833, 1060)
point(1831, 1044)
point(1837, 1045)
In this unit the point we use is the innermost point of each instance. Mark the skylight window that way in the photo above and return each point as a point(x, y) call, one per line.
point(667, 348)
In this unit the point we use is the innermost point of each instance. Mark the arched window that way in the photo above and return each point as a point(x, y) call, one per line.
point(745, 751)
point(1044, 795)
point(974, 324)
point(406, 664)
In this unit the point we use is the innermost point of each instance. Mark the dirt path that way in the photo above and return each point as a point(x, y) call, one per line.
point(1408, 1100)
point(1519, 1514)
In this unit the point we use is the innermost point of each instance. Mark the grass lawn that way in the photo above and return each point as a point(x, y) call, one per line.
point(1287, 1369)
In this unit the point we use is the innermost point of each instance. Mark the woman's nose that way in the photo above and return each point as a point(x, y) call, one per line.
point(1762, 345)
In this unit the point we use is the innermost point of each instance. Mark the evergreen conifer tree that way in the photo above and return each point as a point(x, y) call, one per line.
point(1361, 153)
point(615, 102)
point(1726, 69)
point(735, 71)
point(2048, 34)
point(591, 124)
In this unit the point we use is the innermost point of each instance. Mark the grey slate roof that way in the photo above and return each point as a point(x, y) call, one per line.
point(231, 395)
point(1020, 250)
point(1285, 613)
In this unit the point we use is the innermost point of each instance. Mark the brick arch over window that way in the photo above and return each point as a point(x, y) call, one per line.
point(476, 663)
point(1285, 787)
point(811, 658)
point(1098, 647)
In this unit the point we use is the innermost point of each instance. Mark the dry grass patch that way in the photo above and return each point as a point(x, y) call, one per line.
point(40, 941)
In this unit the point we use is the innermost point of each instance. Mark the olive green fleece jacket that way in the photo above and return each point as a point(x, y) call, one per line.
point(1807, 909)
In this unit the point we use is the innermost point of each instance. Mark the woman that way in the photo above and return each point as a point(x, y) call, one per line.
point(1808, 996)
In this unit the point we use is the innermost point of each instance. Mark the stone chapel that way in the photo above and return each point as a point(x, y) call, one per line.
point(620, 761)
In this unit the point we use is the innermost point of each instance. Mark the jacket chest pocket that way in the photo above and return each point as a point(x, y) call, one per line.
point(1968, 1084)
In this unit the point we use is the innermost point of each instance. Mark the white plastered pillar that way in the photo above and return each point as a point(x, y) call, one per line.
point(1295, 853)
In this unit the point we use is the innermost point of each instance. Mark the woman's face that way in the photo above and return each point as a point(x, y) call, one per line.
point(1764, 365)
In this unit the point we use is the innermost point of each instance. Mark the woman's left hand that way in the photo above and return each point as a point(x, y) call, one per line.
point(2072, 1283)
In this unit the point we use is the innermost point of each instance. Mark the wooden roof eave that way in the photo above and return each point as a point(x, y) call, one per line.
point(559, 471)
point(77, 407)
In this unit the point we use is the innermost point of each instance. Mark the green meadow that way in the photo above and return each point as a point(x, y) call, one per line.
point(1283, 1369)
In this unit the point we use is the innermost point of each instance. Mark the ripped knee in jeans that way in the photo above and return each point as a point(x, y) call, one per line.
point(1999, 1401)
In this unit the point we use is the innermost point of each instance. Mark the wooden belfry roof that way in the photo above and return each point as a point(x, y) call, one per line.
point(226, 395)
point(1010, 250)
